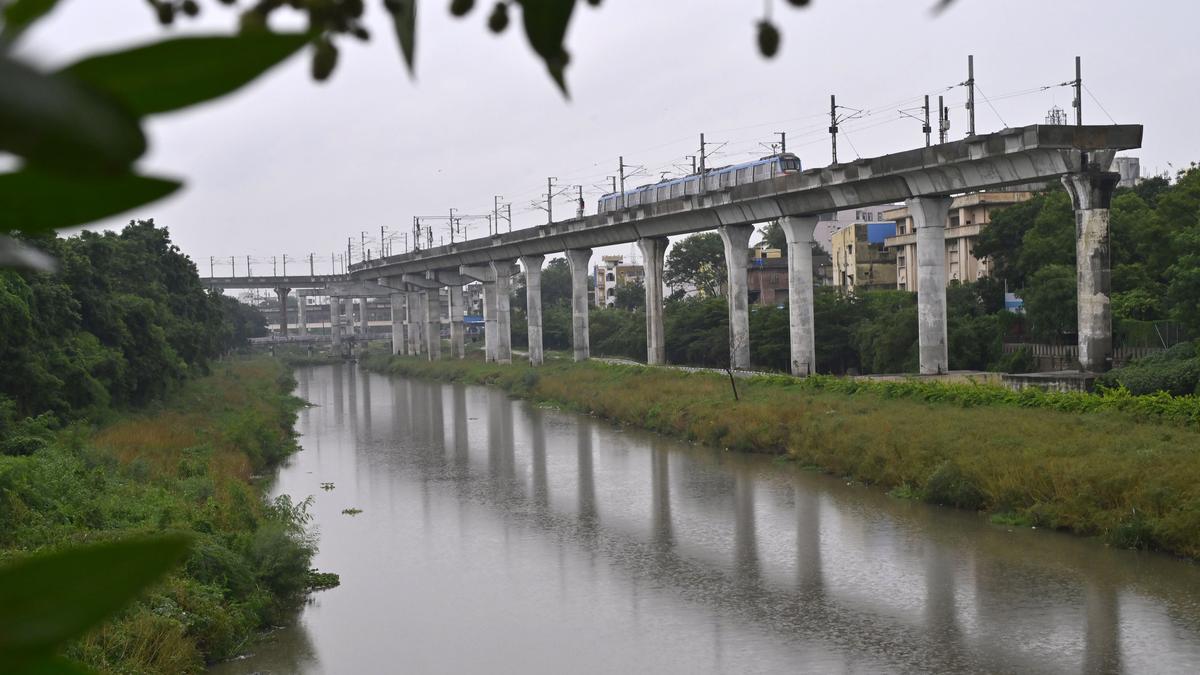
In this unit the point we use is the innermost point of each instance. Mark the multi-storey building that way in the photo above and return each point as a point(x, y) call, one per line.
point(860, 259)
point(612, 274)
point(969, 214)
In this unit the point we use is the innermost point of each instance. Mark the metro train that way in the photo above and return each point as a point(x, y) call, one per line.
point(714, 179)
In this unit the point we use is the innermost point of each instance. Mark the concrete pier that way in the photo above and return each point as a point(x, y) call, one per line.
point(457, 329)
point(397, 300)
point(489, 320)
point(282, 294)
point(363, 326)
point(653, 251)
point(412, 303)
point(532, 266)
point(737, 255)
point(929, 219)
point(433, 323)
point(802, 331)
point(1091, 195)
point(502, 271)
point(301, 315)
point(578, 259)
point(335, 323)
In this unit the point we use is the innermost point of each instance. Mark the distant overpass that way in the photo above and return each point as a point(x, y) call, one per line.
point(292, 281)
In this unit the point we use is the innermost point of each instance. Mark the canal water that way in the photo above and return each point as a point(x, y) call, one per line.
point(499, 537)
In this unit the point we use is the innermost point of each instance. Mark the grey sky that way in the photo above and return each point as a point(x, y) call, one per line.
point(292, 166)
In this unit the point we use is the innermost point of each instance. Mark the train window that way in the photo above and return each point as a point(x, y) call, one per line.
point(677, 190)
point(791, 165)
point(743, 176)
point(663, 193)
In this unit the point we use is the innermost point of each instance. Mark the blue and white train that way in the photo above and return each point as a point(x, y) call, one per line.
point(714, 179)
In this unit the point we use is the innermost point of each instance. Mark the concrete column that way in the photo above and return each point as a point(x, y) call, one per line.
point(929, 219)
point(412, 302)
point(578, 260)
point(799, 232)
point(335, 323)
point(653, 250)
point(737, 256)
point(433, 323)
point(532, 265)
point(362, 317)
point(301, 316)
point(489, 320)
point(282, 294)
point(1091, 194)
point(397, 300)
point(457, 330)
point(502, 269)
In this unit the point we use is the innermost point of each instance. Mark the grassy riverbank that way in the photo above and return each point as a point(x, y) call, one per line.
point(184, 465)
point(1114, 469)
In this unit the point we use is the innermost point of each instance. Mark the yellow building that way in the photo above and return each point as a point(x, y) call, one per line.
point(969, 214)
point(860, 260)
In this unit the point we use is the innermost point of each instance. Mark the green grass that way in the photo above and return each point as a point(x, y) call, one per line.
point(1122, 467)
point(186, 465)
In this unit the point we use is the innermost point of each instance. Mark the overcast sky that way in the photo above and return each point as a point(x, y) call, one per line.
point(291, 166)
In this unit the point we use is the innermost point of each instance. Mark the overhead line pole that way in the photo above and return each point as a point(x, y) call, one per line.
point(833, 126)
point(926, 128)
point(782, 141)
point(971, 92)
point(1078, 93)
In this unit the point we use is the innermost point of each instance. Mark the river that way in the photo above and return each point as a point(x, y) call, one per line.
point(500, 537)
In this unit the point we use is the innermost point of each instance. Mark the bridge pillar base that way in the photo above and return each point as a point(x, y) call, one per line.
point(802, 334)
point(736, 239)
point(532, 266)
point(653, 250)
point(397, 301)
point(929, 219)
point(489, 321)
point(1091, 195)
point(578, 260)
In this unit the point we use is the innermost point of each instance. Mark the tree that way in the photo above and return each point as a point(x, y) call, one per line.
point(773, 237)
point(697, 261)
point(1050, 302)
point(631, 296)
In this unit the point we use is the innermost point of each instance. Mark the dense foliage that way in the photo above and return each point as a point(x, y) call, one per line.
point(122, 323)
point(185, 468)
point(1155, 248)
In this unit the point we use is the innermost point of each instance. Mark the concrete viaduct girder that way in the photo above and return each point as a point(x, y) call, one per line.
point(925, 178)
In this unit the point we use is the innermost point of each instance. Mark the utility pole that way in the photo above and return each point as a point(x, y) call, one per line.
point(579, 210)
point(782, 141)
point(285, 264)
point(943, 121)
point(333, 263)
point(452, 210)
point(312, 268)
point(210, 266)
point(621, 174)
point(971, 93)
point(248, 272)
point(926, 128)
point(496, 213)
point(382, 250)
point(508, 208)
point(347, 259)
point(274, 267)
point(550, 199)
point(691, 157)
point(702, 153)
point(1078, 94)
point(362, 248)
point(833, 128)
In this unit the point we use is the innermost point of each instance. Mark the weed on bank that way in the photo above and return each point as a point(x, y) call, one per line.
point(186, 466)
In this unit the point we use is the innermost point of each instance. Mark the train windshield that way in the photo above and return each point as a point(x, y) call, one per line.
point(790, 164)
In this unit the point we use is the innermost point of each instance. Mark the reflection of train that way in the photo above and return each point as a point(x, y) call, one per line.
point(714, 179)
